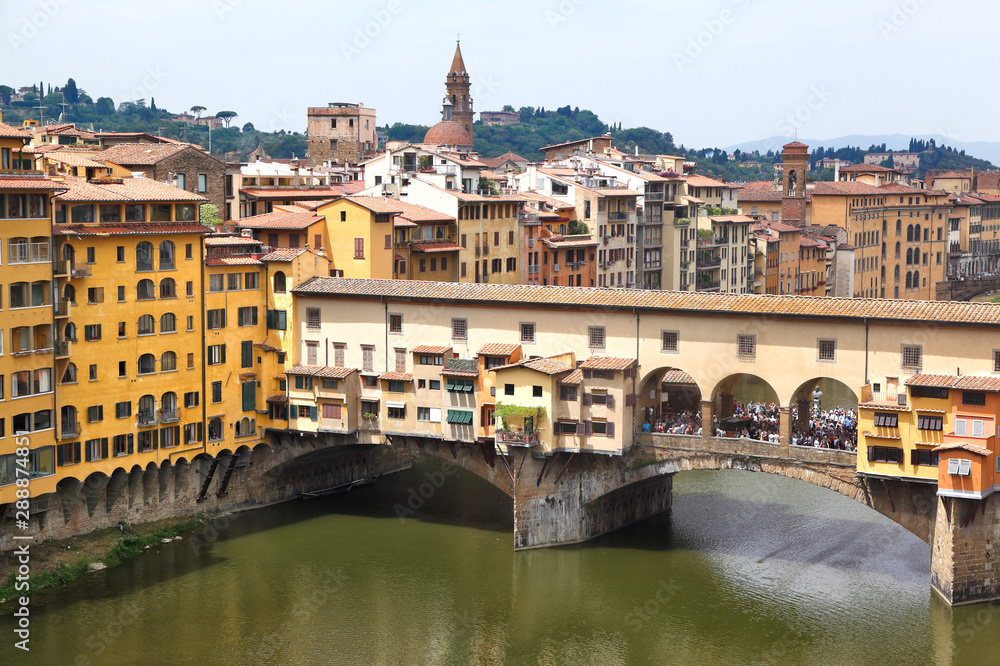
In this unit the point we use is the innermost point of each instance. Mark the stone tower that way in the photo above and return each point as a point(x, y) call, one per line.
point(795, 160)
point(458, 92)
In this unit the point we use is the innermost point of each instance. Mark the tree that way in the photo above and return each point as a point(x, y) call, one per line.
point(508, 107)
point(209, 214)
point(71, 92)
point(248, 128)
point(105, 106)
point(152, 104)
point(5, 93)
point(197, 111)
point(226, 116)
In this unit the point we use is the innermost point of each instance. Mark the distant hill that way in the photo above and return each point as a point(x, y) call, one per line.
point(983, 150)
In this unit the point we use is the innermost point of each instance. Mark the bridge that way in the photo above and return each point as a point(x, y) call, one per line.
point(966, 290)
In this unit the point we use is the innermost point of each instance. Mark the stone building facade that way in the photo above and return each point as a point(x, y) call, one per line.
point(341, 132)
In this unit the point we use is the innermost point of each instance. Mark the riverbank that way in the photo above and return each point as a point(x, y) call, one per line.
point(57, 562)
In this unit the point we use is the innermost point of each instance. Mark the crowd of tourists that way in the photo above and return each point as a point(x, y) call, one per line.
point(830, 429)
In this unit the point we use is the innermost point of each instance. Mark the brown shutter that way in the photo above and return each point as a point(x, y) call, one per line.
point(587, 399)
point(581, 428)
point(611, 401)
point(611, 429)
point(587, 374)
point(914, 458)
point(388, 241)
point(590, 427)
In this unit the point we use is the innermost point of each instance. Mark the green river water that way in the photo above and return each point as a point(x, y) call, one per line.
point(746, 568)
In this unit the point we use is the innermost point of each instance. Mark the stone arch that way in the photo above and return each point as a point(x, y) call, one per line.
point(745, 388)
point(835, 394)
point(668, 391)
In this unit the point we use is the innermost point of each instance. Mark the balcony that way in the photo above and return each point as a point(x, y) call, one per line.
point(61, 308)
point(516, 438)
point(62, 348)
point(60, 268)
point(618, 216)
point(169, 415)
point(883, 397)
point(709, 264)
point(147, 418)
point(708, 285)
point(69, 430)
point(81, 272)
point(533, 269)
point(529, 220)
point(713, 242)
point(653, 196)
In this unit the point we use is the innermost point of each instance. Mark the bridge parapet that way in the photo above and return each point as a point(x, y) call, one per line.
point(751, 447)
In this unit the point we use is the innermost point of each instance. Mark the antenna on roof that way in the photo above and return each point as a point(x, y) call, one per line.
point(458, 40)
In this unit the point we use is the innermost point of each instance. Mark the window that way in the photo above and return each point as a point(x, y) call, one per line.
point(312, 352)
point(929, 392)
point(313, 319)
point(435, 385)
point(191, 399)
point(234, 281)
point(144, 256)
point(367, 358)
point(216, 392)
point(168, 323)
point(168, 288)
point(397, 412)
point(123, 445)
point(215, 430)
point(279, 283)
point(568, 393)
point(202, 182)
point(123, 410)
point(121, 369)
point(92, 332)
point(247, 316)
point(145, 290)
point(192, 432)
point(190, 322)
point(333, 411)
point(427, 359)
point(359, 248)
point(746, 346)
point(508, 389)
point(93, 372)
point(216, 318)
point(923, 457)
point(251, 281)
point(911, 357)
point(459, 329)
point(973, 398)
point(459, 385)
point(828, 350)
point(188, 251)
point(277, 320)
point(147, 364)
point(670, 342)
point(303, 383)
point(95, 413)
point(146, 325)
point(395, 323)
point(247, 389)
point(527, 332)
point(887, 454)
point(246, 354)
point(996, 360)
point(883, 420)
point(397, 387)
point(166, 255)
point(96, 449)
point(595, 337)
point(216, 282)
point(121, 294)
point(216, 354)
point(168, 361)
point(599, 427)
point(95, 294)
point(930, 422)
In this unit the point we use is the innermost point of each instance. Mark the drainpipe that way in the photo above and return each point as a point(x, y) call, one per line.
point(386, 306)
point(204, 373)
point(866, 350)
point(635, 400)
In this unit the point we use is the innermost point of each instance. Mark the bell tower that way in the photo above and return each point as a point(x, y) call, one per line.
point(458, 93)
point(795, 161)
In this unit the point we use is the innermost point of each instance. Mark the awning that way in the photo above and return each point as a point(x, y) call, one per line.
point(396, 405)
point(458, 385)
point(459, 417)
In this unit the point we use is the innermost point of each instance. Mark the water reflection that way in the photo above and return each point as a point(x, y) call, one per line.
point(747, 568)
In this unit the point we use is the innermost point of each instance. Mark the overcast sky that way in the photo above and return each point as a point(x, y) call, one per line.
point(712, 72)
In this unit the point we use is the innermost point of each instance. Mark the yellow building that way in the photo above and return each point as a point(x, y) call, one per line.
point(129, 322)
point(27, 363)
point(289, 227)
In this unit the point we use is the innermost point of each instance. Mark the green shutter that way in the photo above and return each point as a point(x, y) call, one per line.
point(451, 385)
point(131, 444)
point(60, 459)
point(312, 412)
point(76, 452)
point(281, 320)
point(104, 448)
point(270, 319)
point(468, 418)
point(248, 396)
point(467, 388)
point(246, 354)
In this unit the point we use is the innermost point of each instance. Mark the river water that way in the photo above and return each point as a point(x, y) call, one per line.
point(746, 568)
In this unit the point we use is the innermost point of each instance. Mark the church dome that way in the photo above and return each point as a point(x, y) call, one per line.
point(448, 133)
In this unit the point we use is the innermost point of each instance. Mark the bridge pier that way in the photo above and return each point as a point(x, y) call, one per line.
point(965, 557)
point(785, 426)
point(707, 419)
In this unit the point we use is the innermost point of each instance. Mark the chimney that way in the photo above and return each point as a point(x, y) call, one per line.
point(836, 170)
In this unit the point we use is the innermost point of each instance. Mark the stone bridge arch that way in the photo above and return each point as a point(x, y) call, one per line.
point(965, 290)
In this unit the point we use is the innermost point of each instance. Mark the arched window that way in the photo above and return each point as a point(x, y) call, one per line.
point(246, 427)
point(69, 293)
point(168, 288)
point(916, 279)
point(927, 232)
point(168, 406)
point(883, 250)
point(168, 361)
point(909, 279)
point(215, 430)
point(166, 255)
point(147, 364)
point(145, 290)
point(895, 275)
point(883, 272)
point(909, 233)
point(68, 252)
point(147, 410)
point(909, 256)
point(146, 325)
point(916, 233)
point(885, 227)
point(69, 333)
point(897, 249)
point(899, 227)
point(69, 377)
point(168, 323)
point(68, 420)
point(144, 256)
point(279, 283)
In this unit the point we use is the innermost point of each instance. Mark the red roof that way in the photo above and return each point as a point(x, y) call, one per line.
point(608, 363)
point(8, 182)
point(323, 371)
point(9, 131)
point(448, 133)
point(129, 229)
point(280, 220)
point(283, 254)
point(498, 349)
point(431, 349)
point(232, 261)
point(396, 376)
point(441, 246)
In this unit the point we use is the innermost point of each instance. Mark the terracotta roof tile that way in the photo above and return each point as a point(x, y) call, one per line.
point(589, 298)
point(126, 189)
point(546, 366)
point(280, 220)
point(8, 182)
point(867, 168)
point(129, 229)
point(9, 131)
point(396, 376)
point(498, 349)
point(575, 377)
point(436, 246)
point(232, 261)
point(697, 180)
point(963, 382)
point(283, 254)
point(292, 193)
point(144, 154)
point(608, 363)
point(677, 377)
point(452, 372)
point(971, 448)
point(322, 371)
point(224, 241)
point(431, 349)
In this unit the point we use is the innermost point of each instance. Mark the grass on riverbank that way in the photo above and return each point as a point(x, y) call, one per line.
point(52, 569)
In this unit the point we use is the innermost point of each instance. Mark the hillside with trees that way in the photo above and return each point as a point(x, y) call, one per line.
point(70, 103)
